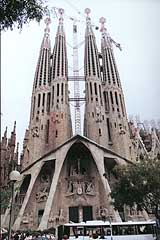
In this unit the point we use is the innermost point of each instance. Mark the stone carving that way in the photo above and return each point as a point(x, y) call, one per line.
point(35, 132)
point(80, 187)
point(90, 188)
point(42, 195)
point(58, 218)
point(78, 181)
point(98, 114)
point(103, 213)
point(28, 218)
point(45, 178)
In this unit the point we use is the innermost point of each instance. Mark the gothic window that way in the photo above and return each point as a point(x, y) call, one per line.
point(48, 101)
point(89, 63)
point(108, 67)
point(98, 64)
point(37, 71)
point(116, 97)
point(66, 93)
point(100, 94)
point(34, 103)
point(111, 96)
point(57, 89)
point(65, 65)
point(95, 88)
point(62, 90)
point(45, 67)
point(121, 104)
point(47, 131)
point(52, 95)
point(56, 133)
point(116, 72)
point(100, 132)
point(39, 99)
point(62, 61)
point(112, 69)
point(41, 70)
point(54, 62)
point(92, 57)
point(49, 68)
point(91, 88)
point(43, 101)
point(106, 101)
point(87, 93)
point(109, 130)
point(40, 214)
point(59, 56)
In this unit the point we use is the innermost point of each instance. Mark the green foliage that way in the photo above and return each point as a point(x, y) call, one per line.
point(5, 197)
point(138, 183)
point(19, 12)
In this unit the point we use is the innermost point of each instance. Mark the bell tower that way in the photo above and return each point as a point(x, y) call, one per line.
point(116, 116)
point(35, 141)
point(94, 119)
point(59, 123)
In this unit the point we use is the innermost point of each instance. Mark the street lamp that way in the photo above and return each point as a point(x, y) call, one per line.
point(14, 176)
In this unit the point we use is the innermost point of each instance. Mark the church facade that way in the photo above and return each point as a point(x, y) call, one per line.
point(68, 177)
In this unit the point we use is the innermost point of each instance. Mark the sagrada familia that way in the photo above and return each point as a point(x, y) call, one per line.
point(68, 177)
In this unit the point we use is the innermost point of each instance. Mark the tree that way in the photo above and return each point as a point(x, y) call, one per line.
point(5, 197)
point(19, 12)
point(138, 184)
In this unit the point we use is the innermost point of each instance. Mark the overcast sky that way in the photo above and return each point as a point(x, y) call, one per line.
point(133, 23)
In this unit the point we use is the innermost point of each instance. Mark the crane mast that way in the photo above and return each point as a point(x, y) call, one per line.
point(76, 81)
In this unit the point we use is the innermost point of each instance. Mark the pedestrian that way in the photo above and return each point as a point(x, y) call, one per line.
point(65, 237)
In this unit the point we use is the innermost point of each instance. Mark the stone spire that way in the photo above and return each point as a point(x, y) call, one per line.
point(12, 140)
point(91, 60)
point(117, 123)
point(4, 140)
point(59, 61)
point(110, 71)
point(35, 144)
point(9, 157)
point(94, 110)
point(50, 120)
point(42, 75)
point(59, 124)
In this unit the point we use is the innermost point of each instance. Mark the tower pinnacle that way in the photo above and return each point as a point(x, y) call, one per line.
point(106, 40)
point(47, 22)
point(61, 12)
point(5, 133)
point(46, 41)
point(88, 22)
point(87, 11)
point(60, 26)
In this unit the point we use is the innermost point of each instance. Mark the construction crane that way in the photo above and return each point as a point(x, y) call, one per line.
point(76, 81)
point(103, 29)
